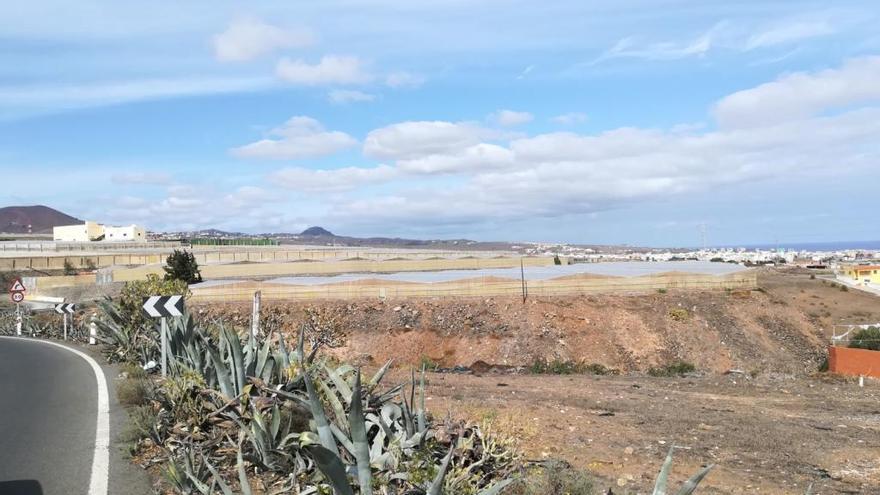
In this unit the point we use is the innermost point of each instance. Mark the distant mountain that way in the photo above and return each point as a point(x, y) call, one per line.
point(37, 219)
point(316, 232)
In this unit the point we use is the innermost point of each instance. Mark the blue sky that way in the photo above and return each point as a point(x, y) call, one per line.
point(593, 122)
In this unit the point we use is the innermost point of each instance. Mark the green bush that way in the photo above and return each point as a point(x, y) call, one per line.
point(554, 478)
point(561, 367)
point(662, 291)
point(141, 422)
point(133, 371)
point(182, 265)
point(679, 314)
point(131, 299)
point(133, 392)
point(69, 269)
point(866, 338)
point(675, 368)
point(427, 363)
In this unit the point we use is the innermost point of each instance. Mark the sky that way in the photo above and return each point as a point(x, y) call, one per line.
point(641, 122)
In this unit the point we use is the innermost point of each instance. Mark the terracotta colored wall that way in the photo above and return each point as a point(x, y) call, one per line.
point(855, 362)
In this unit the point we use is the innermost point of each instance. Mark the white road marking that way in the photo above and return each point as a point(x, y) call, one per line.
point(101, 460)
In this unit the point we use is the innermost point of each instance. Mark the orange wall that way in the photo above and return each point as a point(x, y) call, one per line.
point(856, 362)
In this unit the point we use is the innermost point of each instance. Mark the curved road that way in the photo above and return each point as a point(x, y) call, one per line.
point(48, 411)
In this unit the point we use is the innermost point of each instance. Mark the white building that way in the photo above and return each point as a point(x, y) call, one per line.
point(126, 233)
point(89, 231)
point(93, 231)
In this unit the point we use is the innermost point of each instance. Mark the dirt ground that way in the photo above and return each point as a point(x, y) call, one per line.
point(772, 434)
point(773, 426)
point(763, 330)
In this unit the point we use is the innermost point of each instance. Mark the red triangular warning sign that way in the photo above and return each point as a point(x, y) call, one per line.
point(17, 286)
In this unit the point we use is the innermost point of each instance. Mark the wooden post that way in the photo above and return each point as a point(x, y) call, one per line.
point(522, 274)
point(255, 316)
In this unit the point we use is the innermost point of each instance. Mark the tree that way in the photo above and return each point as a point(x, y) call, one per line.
point(69, 269)
point(866, 338)
point(182, 265)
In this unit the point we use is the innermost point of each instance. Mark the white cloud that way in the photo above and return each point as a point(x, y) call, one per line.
point(723, 35)
point(666, 50)
point(331, 180)
point(37, 99)
point(332, 69)
point(570, 118)
point(248, 38)
point(802, 94)
point(510, 117)
point(404, 79)
point(417, 139)
point(568, 173)
point(342, 96)
point(789, 32)
point(141, 178)
point(299, 137)
point(479, 157)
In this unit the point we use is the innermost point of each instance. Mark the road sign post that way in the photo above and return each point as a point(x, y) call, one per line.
point(163, 307)
point(16, 293)
point(66, 309)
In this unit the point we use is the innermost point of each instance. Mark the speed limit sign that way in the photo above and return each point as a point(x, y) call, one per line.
point(17, 297)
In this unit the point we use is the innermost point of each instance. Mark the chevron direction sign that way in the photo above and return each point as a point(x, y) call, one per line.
point(163, 306)
point(65, 308)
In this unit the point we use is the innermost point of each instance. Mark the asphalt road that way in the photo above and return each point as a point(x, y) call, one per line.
point(48, 410)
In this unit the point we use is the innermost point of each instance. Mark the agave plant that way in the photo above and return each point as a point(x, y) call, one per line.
point(688, 487)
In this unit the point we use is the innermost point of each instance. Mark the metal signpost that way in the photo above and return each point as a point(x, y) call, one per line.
point(65, 309)
point(163, 307)
point(16, 293)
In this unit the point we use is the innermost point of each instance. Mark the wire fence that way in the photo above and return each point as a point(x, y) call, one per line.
point(372, 289)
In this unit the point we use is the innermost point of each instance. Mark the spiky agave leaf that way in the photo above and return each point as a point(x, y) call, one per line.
point(422, 401)
point(691, 484)
point(374, 382)
point(359, 437)
point(497, 487)
point(242, 474)
point(663, 476)
point(321, 424)
point(332, 468)
point(436, 487)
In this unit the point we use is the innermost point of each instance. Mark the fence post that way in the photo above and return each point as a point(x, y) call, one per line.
point(93, 330)
point(255, 316)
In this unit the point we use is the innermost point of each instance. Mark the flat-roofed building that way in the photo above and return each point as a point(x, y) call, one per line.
point(125, 233)
point(84, 232)
point(862, 274)
point(93, 231)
